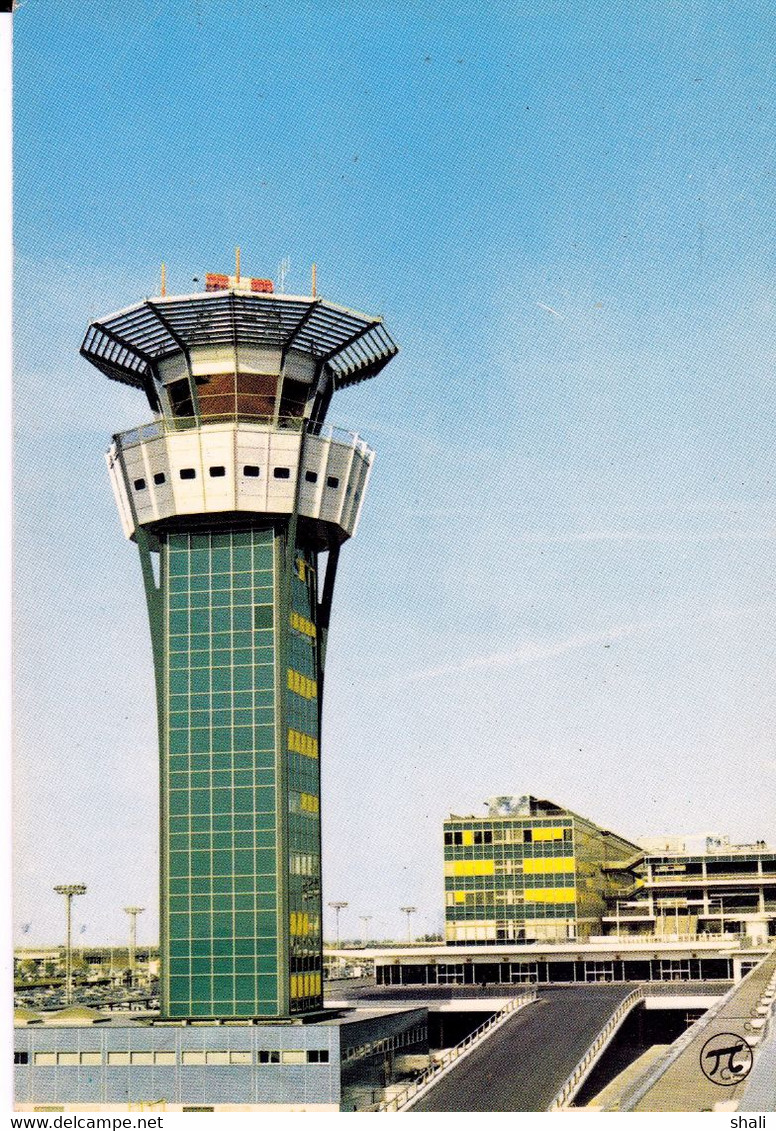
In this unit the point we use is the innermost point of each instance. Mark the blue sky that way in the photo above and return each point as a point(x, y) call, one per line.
point(563, 579)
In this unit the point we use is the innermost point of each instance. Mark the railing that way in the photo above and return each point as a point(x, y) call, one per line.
point(429, 1076)
point(585, 1065)
point(699, 881)
point(729, 938)
point(170, 425)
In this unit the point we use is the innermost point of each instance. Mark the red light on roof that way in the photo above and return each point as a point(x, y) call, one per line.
point(224, 282)
point(216, 282)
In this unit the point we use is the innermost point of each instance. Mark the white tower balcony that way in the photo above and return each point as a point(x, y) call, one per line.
point(159, 474)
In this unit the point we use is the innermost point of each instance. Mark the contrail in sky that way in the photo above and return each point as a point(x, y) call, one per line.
point(551, 311)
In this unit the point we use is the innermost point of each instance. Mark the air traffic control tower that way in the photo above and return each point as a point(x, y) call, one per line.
point(233, 493)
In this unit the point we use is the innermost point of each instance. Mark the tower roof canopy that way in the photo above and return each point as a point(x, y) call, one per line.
point(127, 345)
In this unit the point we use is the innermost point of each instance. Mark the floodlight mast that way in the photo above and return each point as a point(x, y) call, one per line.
point(338, 905)
point(409, 912)
point(366, 919)
point(68, 891)
point(239, 496)
point(133, 913)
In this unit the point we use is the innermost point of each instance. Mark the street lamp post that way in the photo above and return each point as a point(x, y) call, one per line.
point(409, 912)
point(133, 913)
point(365, 919)
point(68, 891)
point(337, 905)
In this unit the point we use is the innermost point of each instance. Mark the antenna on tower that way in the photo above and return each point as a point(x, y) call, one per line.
point(163, 291)
point(237, 265)
point(283, 268)
point(315, 280)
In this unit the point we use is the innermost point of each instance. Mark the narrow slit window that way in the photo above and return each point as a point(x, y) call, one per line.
point(269, 1056)
point(282, 472)
point(332, 481)
point(160, 478)
point(251, 471)
point(188, 473)
point(317, 1056)
point(217, 472)
point(139, 484)
point(311, 476)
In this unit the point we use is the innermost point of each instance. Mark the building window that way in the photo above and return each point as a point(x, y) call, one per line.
point(282, 472)
point(293, 1056)
point(193, 1058)
point(269, 1056)
point(527, 835)
point(188, 473)
point(159, 478)
point(118, 1058)
point(21, 1058)
point(217, 472)
point(251, 471)
point(332, 481)
point(311, 476)
point(140, 484)
point(485, 837)
point(240, 1058)
point(263, 616)
point(317, 1056)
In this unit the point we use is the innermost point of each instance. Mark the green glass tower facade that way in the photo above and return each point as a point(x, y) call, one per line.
point(240, 775)
point(239, 516)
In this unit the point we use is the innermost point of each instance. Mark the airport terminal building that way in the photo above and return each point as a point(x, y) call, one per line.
point(529, 871)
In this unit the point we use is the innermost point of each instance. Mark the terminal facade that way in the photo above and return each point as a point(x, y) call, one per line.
point(720, 889)
point(529, 871)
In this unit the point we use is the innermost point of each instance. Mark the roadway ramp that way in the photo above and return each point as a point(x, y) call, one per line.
point(525, 1062)
point(678, 1083)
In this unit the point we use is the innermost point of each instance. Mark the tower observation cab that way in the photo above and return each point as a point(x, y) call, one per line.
point(237, 488)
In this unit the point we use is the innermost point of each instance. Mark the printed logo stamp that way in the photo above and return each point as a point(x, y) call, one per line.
point(726, 1059)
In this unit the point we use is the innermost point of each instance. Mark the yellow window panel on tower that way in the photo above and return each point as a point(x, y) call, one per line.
point(460, 896)
point(548, 864)
point(299, 923)
point(302, 624)
point(302, 684)
point(302, 744)
point(468, 836)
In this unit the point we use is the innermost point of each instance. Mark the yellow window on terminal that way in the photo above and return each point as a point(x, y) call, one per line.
point(550, 895)
point(548, 864)
point(460, 896)
point(468, 836)
point(548, 834)
point(469, 867)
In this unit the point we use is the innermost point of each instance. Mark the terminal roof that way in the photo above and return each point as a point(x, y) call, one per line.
point(126, 345)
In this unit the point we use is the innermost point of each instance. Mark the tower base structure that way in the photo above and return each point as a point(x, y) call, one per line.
point(341, 1062)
